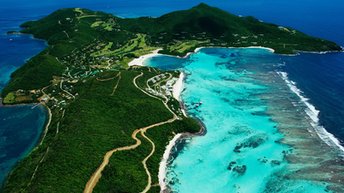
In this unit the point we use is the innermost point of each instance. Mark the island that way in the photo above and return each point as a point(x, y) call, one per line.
point(109, 123)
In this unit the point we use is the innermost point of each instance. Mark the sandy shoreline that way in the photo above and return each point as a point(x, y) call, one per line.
point(163, 163)
point(139, 61)
point(260, 47)
point(47, 125)
point(178, 87)
point(178, 138)
point(298, 52)
point(199, 48)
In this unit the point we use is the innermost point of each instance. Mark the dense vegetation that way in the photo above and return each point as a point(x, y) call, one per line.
point(211, 26)
point(30, 75)
point(125, 174)
point(97, 35)
point(84, 77)
point(95, 123)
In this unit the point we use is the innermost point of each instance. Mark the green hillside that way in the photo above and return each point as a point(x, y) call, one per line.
point(97, 38)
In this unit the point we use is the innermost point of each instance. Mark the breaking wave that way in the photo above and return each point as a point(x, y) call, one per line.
point(313, 114)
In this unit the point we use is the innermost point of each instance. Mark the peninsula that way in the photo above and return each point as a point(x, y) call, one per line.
point(110, 123)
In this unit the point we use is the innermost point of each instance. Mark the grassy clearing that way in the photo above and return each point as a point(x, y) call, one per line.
point(106, 25)
point(82, 14)
point(97, 24)
point(134, 47)
point(104, 51)
point(182, 47)
point(10, 98)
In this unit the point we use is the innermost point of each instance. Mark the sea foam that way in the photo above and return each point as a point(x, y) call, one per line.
point(164, 161)
point(313, 114)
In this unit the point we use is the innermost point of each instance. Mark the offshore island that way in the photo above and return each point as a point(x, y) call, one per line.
point(109, 123)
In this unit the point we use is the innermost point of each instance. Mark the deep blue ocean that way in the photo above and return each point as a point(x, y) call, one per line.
point(320, 77)
point(20, 129)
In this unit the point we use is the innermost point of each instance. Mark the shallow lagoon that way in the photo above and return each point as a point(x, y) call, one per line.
point(253, 120)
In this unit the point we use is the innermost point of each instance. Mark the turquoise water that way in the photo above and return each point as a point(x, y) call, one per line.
point(248, 146)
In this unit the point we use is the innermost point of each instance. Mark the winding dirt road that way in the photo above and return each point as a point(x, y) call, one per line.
point(144, 163)
point(92, 182)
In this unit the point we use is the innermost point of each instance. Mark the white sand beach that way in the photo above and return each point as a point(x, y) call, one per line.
point(261, 47)
point(178, 87)
point(139, 61)
point(163, 163)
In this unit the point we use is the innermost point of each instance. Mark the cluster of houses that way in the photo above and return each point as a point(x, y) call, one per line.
point(58, 94)
point(168, 87)
point(164, 90)
point(251, 39)
point(83, 64)
point(157, 78)
point(163, 36)
point(80, 64)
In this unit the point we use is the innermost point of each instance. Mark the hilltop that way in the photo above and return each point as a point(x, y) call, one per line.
point(210, 26)
point(80, 39)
